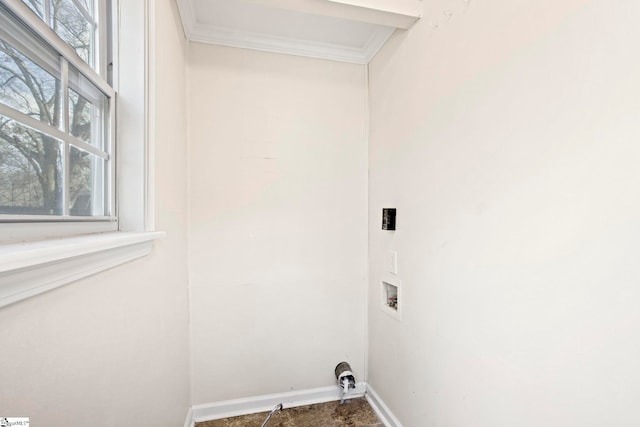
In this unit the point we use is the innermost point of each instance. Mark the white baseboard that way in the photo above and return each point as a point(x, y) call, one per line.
point(252, 405)
point(382, 411)
point(189, 421)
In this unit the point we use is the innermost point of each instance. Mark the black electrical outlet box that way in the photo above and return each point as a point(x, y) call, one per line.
point(389, 218)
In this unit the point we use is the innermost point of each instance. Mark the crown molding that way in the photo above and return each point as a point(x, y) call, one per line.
point(344, 9)
point(188, 17)
point(390, 13)
point(290, 46)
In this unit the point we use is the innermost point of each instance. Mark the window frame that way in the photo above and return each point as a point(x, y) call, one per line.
point(70, 58)
point(36, 257)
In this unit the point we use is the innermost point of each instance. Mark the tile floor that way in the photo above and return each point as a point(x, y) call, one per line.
point(354, 413)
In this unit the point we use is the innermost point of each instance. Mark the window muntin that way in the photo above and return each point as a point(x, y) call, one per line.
point(74, 21)
point(55, 123)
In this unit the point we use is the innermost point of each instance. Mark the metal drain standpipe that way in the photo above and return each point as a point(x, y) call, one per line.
point(277, 408)
point(345, 378)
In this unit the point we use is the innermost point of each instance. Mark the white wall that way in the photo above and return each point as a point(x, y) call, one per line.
point(277, 221)
point(506, 135)
point(112, 350)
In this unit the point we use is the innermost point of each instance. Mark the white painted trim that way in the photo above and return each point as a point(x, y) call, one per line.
point(189, 421)
point(187, 16)
point(133, 162)
point(375, 43)
point(382, 411)
point(150, 115)
point(391, 13)
point(270, 43)
point(275, 44)
point(14, 232)
point(252, 405)
point(29, 269)
point(256, 404)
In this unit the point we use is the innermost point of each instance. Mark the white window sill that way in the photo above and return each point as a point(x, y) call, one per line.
point(28, 269)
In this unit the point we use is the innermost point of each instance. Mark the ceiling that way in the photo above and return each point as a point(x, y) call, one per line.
point(341, 30)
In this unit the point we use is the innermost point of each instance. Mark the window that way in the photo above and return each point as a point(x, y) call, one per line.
point(57, 152)
point(57, 112)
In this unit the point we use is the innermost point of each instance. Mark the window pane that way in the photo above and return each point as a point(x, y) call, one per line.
point(86, 186)
point(31, 171)
point(74, 28)
point(88, 6)
point(36, 6)
point(86, 118)
point(41, 174)
point(27, 87)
